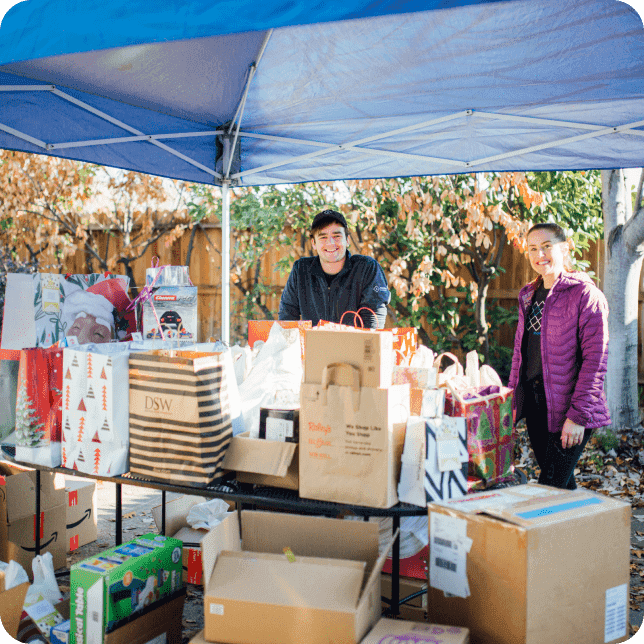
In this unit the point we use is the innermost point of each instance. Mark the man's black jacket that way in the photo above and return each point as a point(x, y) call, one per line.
point(361, 282)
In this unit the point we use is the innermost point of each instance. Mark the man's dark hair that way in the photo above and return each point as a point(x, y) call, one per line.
point(326, 217)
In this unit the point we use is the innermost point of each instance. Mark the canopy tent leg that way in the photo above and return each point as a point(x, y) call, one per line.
point(225, 262)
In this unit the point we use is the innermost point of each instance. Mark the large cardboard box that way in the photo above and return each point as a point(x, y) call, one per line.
point(531, 564)
point(119, 582)
point(304, 580)
point(11, 602)
point(177, 527)
point(80, 509)
point(256, 460)
point(392, 631)
point(371, 351)
point(17, 516)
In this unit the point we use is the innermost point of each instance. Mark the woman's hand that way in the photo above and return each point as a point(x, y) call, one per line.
point(571, 434)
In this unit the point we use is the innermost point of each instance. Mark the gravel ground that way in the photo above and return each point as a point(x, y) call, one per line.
point(614, 472)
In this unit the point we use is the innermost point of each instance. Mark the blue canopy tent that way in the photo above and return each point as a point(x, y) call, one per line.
point(241, 93)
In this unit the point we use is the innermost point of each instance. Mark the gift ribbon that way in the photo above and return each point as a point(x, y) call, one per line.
point(146, 295)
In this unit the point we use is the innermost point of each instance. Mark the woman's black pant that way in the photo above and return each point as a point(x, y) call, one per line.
point(557, 463)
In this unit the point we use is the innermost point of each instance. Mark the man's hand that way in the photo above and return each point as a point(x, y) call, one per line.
point(572, 434)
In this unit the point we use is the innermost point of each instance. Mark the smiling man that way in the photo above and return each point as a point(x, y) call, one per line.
point(334, 281)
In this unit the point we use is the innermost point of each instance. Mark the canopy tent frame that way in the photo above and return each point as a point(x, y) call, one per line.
point(334, 91)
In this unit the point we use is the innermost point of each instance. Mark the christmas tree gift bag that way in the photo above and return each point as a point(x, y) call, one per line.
point(490, 430)
point(38, 414)
point(180, 421)
point(95, 409)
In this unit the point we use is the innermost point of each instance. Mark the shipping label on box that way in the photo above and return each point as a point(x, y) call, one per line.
point(121, 581)
point(174, 310)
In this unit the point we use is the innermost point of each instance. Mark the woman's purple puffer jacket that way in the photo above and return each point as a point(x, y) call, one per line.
point(574, 351)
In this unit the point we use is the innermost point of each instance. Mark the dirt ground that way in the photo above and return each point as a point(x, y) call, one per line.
point(615, 473)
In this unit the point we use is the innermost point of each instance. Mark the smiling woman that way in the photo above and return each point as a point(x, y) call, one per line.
point(560, 356)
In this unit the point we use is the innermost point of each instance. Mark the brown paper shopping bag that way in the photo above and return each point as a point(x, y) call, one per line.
point(180, 422)
point(351, 439)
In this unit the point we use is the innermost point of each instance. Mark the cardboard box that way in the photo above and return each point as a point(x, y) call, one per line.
point(17, 516)
point(391, 631)
point(304, 580)
point(177, 527)
point(531, 564)
point(80, 511)
point(11, 602)
point(371, 351)
point(121, 581)
point(263, 462)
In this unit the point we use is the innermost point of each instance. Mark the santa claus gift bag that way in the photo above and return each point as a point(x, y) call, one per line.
point(95, 433)
point(38, 414)
point(41, 308)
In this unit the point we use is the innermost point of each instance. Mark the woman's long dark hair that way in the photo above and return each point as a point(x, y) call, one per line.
point(559, 236)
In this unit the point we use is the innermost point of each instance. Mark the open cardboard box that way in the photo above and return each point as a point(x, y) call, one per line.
point(263, 462)
point(544, 565)
point(304, 580)
point(17, 516)
point(11, 602)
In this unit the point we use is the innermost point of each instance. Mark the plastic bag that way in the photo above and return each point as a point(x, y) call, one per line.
point(45, 583)
point(14, 574)
point(277, 369)
point(207, 515)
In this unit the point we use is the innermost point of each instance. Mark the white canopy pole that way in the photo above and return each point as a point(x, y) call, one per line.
point(225, 262)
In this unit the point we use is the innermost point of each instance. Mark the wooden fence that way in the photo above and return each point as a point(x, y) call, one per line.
point(205, 272)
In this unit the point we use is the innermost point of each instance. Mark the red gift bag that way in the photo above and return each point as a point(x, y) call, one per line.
point(38, 408)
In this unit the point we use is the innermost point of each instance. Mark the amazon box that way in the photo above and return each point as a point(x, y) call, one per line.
point(531, 564)
point(262, 462)
point(80, 509)
point(177, 527)
point(393, 631)
point(18, 521)
point(304, 580)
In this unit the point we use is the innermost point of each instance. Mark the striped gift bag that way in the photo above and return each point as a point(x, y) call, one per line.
point(180, 421)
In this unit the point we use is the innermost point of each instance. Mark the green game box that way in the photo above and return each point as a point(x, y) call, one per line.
point(119, 582)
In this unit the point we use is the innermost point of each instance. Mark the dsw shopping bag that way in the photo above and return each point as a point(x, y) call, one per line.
point(95, 409)
point(9, 363)
point(180, 422)
point(490, 430)
point(38, 412)
point(351, 439)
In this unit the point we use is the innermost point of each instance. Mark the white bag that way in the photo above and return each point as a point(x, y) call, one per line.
point(96, 409)
point(45, 583)
point(277, 371)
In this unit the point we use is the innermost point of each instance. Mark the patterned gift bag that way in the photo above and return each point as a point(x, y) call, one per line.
point(180, 420)
point(95, 409)
point(490, 431)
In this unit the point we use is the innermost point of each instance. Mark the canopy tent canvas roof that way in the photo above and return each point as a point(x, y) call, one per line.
point(256, 94)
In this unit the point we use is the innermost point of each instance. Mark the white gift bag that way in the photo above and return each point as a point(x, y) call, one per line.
point(96, 409)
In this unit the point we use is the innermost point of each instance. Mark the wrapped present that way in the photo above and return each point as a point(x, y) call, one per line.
point(41, 308)
point(170, 312)
point(490, 429)
point(95, 409)
point(38, 413)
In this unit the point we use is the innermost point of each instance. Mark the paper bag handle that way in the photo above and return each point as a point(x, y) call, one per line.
point(328, 374)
